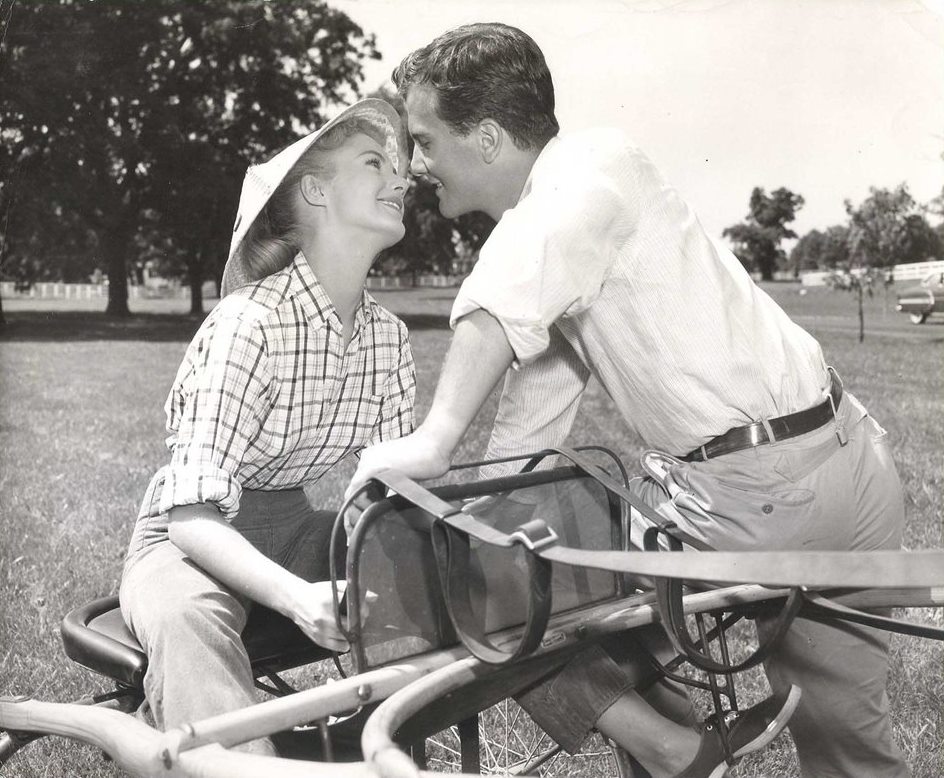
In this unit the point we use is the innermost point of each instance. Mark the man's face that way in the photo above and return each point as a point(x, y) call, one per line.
point(451, 162)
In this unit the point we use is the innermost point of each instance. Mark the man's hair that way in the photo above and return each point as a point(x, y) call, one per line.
point(486, 71)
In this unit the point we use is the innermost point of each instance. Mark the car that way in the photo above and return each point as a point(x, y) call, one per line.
point(923, 299)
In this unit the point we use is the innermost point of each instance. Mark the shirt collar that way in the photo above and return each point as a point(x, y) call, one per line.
point(316, 304)
point(526, 190)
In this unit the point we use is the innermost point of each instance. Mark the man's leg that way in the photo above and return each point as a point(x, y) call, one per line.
point(812, 493)
point(597, 689)
point(842, 728)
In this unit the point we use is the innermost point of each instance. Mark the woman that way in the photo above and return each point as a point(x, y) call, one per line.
point(296, 367)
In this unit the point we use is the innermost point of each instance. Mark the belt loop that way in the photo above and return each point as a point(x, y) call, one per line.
point(841, 433)
point(771, 438)
point(704, 453)
point(834, 382)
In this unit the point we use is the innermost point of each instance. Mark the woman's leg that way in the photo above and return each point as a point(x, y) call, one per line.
point(189, 626)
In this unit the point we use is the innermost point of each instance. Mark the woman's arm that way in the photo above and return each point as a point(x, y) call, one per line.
point(215, 546)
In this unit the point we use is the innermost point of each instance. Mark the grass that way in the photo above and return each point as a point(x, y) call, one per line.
point(81, 432)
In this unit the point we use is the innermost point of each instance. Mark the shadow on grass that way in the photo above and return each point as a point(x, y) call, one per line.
point(40, 326)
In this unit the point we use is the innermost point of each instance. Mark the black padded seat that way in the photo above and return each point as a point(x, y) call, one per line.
point(95, 636)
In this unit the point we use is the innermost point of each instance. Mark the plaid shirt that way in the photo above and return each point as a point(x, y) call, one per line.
point(268, 398)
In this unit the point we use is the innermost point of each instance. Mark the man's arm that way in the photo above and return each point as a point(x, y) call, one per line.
point(478, 356)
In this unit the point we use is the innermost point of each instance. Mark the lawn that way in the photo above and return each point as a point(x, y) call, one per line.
point(81, 432)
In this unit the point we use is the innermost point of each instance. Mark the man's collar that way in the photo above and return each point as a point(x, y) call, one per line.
point(526, 189)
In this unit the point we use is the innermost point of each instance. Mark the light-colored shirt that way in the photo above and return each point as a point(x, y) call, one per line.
point(267, 396)
point(601, 268)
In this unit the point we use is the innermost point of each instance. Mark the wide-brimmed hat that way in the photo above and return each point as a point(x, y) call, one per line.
point(262, 180)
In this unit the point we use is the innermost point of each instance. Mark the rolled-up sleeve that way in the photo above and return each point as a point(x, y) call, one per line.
point(222, 400)
point(396, 414)
point(547, 257)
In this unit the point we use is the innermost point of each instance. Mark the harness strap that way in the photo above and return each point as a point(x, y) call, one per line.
point(450, 534)
point(612, 485)
point(672, 614)
point(820, 608)
point(452, 530)
point(451, 549)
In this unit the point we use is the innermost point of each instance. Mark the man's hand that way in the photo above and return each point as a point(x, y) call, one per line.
point(478, 356)
point(417, 456)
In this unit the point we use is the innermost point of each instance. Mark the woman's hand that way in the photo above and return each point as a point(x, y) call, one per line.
point(312, 609)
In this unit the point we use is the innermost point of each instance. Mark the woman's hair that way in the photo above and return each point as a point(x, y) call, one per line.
point(273, 239)
point(482, 71)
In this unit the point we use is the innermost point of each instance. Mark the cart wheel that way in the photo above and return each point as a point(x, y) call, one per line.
point(510, 743)
point(918, 318)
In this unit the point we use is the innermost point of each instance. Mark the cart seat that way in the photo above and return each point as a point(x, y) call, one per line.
point(95, 636)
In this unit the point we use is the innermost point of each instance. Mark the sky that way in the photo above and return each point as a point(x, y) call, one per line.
point(824, 97)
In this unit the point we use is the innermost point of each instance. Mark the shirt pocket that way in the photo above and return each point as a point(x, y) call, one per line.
point(348, 424)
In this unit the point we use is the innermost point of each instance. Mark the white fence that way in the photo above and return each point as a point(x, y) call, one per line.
point(409, 282)
point(913, 271)
point(45, 290)
point(51, 289)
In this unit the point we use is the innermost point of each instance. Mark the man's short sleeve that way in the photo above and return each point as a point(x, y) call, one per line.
point(548, 257)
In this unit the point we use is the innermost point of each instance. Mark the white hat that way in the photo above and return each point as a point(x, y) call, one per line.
point(262, 180)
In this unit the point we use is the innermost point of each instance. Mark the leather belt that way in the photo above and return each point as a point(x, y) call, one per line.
point(781, 428)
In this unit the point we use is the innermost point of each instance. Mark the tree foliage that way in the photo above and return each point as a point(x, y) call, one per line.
point(829, 249)
point(888, 228)
point(757, 240)
point(142, 115)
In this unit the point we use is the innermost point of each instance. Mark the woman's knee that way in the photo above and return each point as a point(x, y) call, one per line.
point(174, 599)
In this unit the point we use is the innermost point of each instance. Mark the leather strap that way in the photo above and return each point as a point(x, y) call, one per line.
point(450, 535)
point(626, 495)
point(783, 427)
point(451, 548)
point(811, 569)
point(452, 530)
point(821, 608)
point(669, 593)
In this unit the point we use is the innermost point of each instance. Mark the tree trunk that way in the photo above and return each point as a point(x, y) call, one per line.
point(114, 243)
point(196, 289)
point(861, 313)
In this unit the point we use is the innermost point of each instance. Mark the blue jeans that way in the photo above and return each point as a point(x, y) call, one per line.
point(189, 624)
point(809, 493)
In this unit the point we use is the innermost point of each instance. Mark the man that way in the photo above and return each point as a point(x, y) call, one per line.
point(597, 267)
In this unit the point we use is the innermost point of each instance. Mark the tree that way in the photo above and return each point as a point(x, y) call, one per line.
point(817, 249)
point(860, 283)
point(147, 113)
point(888, 228)
point(757, 240)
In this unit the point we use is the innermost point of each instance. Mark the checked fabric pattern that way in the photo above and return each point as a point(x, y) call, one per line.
point(267, 397)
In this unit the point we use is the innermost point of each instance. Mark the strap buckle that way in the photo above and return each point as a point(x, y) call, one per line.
point(534, 535)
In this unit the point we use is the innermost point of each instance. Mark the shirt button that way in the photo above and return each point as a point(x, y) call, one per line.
point(767, 508)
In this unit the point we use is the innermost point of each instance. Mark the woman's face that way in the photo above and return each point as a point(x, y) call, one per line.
point(365, 192)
